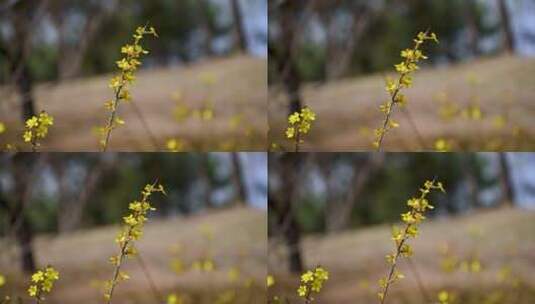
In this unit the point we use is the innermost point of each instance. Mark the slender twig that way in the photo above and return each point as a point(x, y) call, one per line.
point(154, 289)
point(419, 282)
point(111, 118)
point(415, 129)
point(118, 269)
point(145, 125)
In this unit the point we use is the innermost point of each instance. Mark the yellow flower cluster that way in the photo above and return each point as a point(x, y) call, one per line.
point(42, 283)
point(312, 282)
point(175, 145)
point(37, 128)
point(270, 280)
point(128, 66)
point(174, 299)
point(132, 231)
point(443, 145)
point(299, 124)
point(444, 297)
point(412, 218)
point(411, 57)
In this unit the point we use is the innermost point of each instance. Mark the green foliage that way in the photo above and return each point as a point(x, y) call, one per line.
point(310, 215)
point(311, 62)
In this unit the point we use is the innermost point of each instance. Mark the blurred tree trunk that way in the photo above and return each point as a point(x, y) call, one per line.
point(470, 16)
point(468, 169)
point(72, 205)
point(206, 180)
point(238, 179)
point(205, 11)
point(284, 56)
point(505, 180)
point(340, 208)
point(22, 166)
point(22, 15)
point(340, 53)
point(239, 24)
point(280, 205)
point(507, 27)
point(73, 52)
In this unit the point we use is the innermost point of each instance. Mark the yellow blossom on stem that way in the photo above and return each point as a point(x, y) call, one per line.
point(42, 283)
point(412, 218)
point(444, 297)
point(36, 128)
point(409, 65)
point(270, 280)
point(131, 231)
point(299, 124)
point(311, 283)
point(128, 65)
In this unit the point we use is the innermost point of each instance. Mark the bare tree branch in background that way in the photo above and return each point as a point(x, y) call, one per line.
point(22, 17)
point(239, 24)
point(339, 207)
point(206, 179)
point(509, 39)
point(280, 205)
point(72, 205)
point(73, 52)
point(207, 25)
point(339, 49)
point(238, 179)
point(470, 18)
point(23, 166)
point(283, 55)
point(505, 180)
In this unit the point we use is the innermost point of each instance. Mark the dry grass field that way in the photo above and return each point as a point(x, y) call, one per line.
point(236, 87)
point(239, 242)
point(348, 110)
point(356, 260)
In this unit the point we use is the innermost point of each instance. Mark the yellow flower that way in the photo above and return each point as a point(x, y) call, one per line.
point(174, 299)
point(294, 118)
point(119, 83)
point(2, 280)
point(404, 69)
point(302, 291)
point(442, 145)
point(300, 123)
point(45, 119)
point(175, 145)
point(290, 132)
point(312, 281)
point(307, 277)
point(37, 277)
point(43, 282)
point(270, 281)
point(443, 297)
point(2, 127)
point(27, 136)
point(32, 291)
point(32, 122)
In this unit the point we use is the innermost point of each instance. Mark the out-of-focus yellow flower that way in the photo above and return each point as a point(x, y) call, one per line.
point(175, 145)
point(270, 280)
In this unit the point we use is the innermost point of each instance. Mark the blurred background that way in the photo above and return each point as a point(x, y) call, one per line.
point(206, 242)
point(336, 210)
point(474, 91)
point(210, 56)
